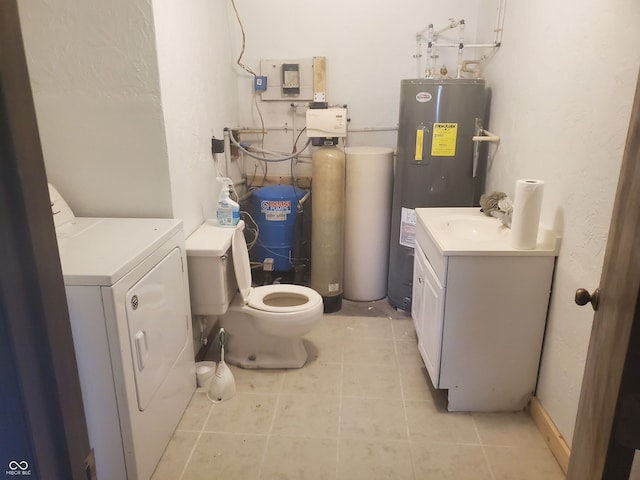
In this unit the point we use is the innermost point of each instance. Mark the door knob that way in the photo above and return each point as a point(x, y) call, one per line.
point(583, 297)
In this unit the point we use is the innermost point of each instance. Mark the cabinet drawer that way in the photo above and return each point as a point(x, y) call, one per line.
point(436, 259)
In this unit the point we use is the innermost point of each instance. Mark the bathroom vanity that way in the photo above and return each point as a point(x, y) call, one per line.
point(480, 307)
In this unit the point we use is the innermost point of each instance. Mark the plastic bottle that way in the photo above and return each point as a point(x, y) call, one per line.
point(228, 211)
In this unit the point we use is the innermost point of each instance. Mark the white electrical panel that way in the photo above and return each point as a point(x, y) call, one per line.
point(288, 80)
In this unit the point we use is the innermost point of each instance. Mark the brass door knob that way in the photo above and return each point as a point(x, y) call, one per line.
point(583, 297)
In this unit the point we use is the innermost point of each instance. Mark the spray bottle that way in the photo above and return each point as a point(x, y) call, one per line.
point(228, 211)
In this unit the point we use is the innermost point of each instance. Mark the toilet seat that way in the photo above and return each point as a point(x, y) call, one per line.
point(281, 298)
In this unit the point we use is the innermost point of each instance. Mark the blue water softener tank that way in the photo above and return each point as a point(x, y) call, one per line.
point(275, 208)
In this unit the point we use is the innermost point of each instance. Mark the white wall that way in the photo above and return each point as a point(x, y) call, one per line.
point(563, 84)
point(95, 83)
point(199, 98)
point(128, 95)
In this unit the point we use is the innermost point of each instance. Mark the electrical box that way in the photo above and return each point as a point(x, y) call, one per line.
point(290, 79)
point(287, 80)
point(326, 122)
point(259, 83)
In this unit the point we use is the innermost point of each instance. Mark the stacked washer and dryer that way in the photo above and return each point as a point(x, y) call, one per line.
point(127, 292)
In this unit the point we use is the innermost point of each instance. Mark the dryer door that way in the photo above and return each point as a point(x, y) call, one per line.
point(158, 327)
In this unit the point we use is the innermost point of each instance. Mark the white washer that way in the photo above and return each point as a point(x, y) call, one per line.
point(127, 291)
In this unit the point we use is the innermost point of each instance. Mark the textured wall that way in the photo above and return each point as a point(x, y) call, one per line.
point(562, 86)
point(199, 98)
point(95, 82)
point(128, 95)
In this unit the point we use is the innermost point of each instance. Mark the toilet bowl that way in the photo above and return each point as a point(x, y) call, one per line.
point(264, 324)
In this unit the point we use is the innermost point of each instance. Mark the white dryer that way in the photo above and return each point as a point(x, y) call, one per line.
point(127, 290)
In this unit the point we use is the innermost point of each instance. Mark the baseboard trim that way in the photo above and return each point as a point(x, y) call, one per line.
point(552, 436)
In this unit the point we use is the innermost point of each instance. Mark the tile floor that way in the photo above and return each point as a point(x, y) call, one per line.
point(361, 408)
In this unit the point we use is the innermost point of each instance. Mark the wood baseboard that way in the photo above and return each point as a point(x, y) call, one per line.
point(552, 436)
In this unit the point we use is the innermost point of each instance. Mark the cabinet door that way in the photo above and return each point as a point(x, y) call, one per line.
point(430, 315)
point(417, 293)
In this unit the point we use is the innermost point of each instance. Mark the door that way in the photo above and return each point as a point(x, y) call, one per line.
point(43, 433)
point(597, 452)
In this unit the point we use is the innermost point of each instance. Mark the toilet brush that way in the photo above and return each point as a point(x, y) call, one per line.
point(223, 385)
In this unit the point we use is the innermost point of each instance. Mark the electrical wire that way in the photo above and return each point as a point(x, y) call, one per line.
point(254, 231)
point(244, 41)
point(295, 150)
point(279, 159)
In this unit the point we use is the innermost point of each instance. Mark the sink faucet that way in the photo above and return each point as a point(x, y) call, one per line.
point(498, 205)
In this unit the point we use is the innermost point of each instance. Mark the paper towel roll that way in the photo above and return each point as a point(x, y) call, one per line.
point(526, 214)
point(369, 187)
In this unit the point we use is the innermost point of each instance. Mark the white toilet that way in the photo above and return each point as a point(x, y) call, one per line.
point(264, 324)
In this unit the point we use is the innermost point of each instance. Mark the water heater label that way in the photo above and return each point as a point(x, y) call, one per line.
point(444, 139)
point(275, 210)
point(408, 227)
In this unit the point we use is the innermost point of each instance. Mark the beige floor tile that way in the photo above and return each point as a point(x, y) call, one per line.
point(508, 430)
point(324, 349)
point(372, 418)
point(437, 461)
point(370, 351)
point(510, 463)
point(369, 327)
point(329, 326)
point(363, 407)
point(244, 413)
point(197, 412)
point(408, 354)
point(257, 380)
point(317, 377)
point(307, 415)
point(224, 456)
point(296, 458)
point(374, 460)
point(416, 384)
point(431, 423)
point(381, 381)
point(175, 456)
point(403, 329)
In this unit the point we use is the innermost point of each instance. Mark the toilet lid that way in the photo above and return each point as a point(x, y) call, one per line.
point(241, 265)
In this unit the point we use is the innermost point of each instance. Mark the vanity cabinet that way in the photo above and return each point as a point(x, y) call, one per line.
point(479, 310)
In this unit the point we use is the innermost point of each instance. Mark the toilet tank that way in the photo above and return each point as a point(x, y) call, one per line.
point(212, 282)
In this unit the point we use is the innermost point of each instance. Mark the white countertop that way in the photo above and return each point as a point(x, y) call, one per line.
point(468, 231)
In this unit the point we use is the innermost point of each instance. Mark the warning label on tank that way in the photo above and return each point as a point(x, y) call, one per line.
point(444, 139)
point(275, 210)
point(419, 142)
point(408, 227)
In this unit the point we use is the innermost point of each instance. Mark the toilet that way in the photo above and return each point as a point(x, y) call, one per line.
point(265, 324)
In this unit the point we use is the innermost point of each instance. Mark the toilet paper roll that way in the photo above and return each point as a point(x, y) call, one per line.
point(204, 373)
point(526, 214)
